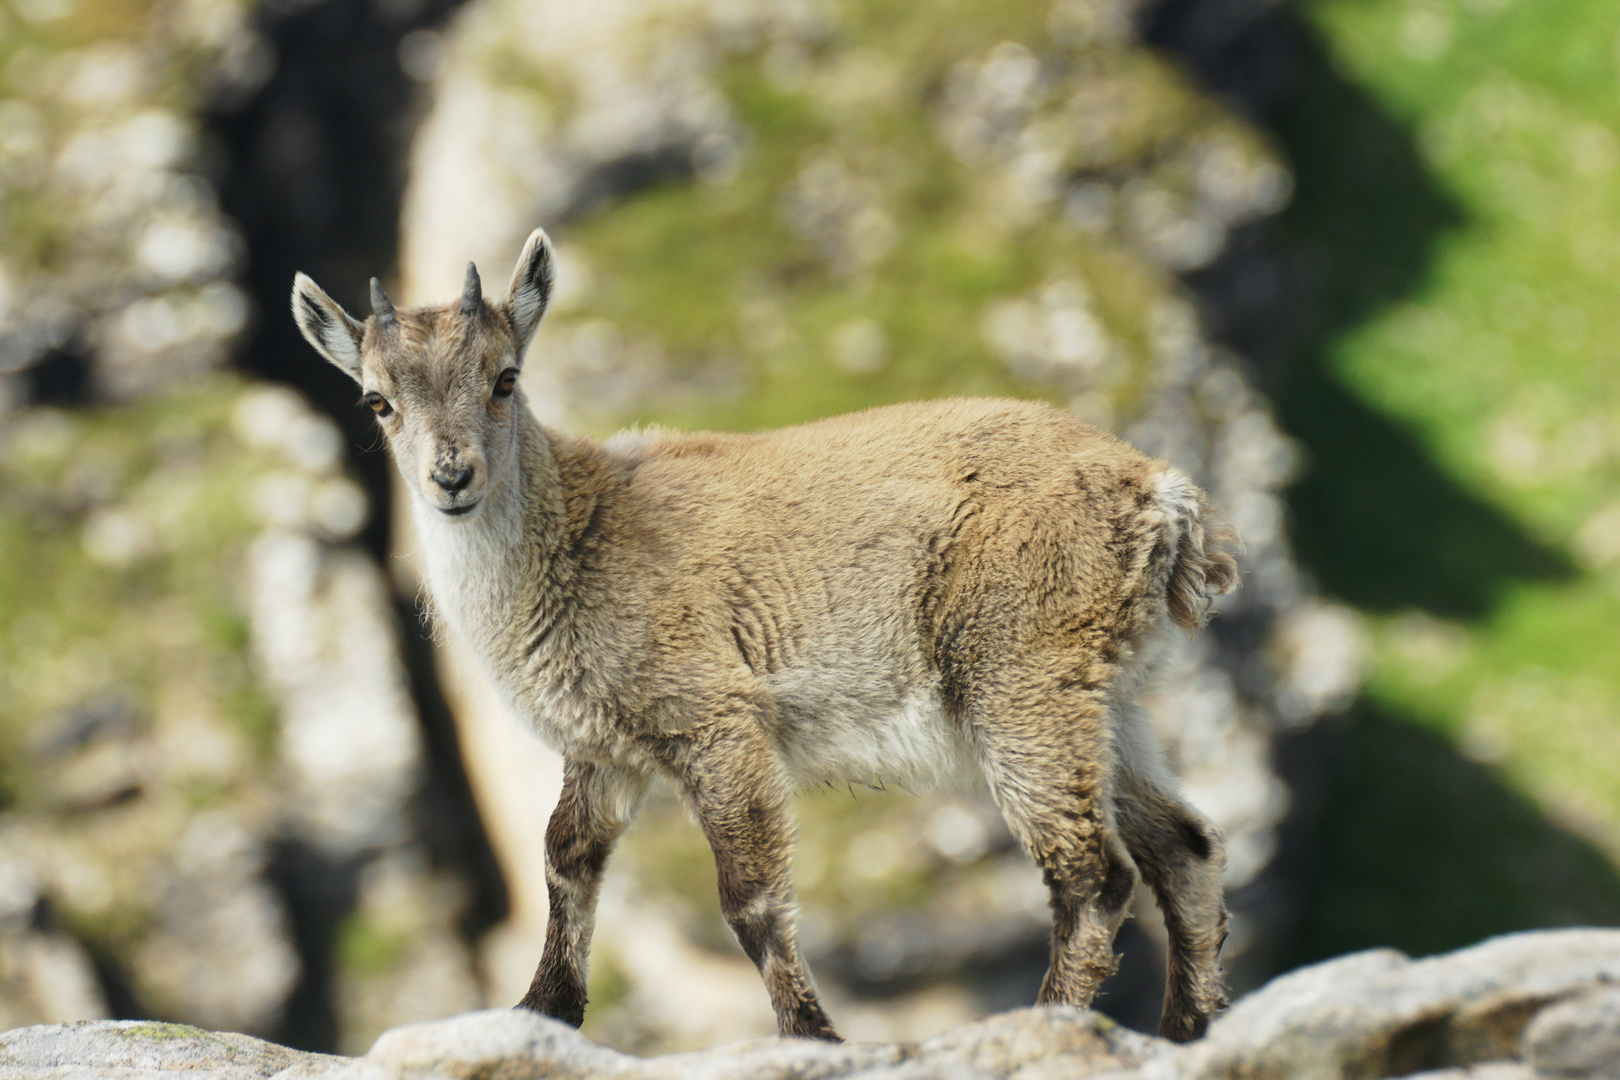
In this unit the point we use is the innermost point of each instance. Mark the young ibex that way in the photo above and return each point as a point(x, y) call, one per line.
point(874, 596)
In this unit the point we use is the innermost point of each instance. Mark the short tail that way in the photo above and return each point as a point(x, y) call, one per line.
point(1205, 561)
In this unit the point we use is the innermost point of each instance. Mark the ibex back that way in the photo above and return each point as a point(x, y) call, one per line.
point(877, 596)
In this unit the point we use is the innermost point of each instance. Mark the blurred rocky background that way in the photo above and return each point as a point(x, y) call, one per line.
point(1345, 261)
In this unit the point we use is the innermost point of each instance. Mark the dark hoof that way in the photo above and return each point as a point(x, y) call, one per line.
point(573, 1016)
point(1183, 1028)
point(808, 1021)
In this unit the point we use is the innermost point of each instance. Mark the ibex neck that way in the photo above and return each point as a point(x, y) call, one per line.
point(483, 573)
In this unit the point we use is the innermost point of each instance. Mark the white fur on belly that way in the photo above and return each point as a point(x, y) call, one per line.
point(912, 742)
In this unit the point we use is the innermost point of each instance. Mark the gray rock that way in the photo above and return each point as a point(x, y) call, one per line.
point(1088, 1043)
point(520, 1044)
point(923, 1070)
point(490, 1042)
point(778, 1059)
point(1540, 1004)
point(1496, 1070)
point(1577, 1038)
point(516, 1044)
point(138, 1049)
point(1377, 1014)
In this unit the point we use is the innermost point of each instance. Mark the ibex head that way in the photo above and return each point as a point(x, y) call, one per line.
point(443, 381)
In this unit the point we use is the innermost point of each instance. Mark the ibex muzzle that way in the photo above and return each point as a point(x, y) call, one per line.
point(879, 596)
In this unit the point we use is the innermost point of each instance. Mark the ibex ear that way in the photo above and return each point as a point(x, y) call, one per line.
point(530, 291)
point(327, 326)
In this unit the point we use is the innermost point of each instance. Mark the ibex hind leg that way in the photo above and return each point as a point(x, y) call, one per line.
point(739, 791)
point(594, 809)
point(1180, 856)
point(1047, 753)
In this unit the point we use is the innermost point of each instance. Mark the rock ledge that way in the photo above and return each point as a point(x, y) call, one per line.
point(1536, 1004)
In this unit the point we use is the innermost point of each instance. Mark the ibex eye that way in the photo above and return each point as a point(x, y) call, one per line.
point(377, 403)
point(507, 382)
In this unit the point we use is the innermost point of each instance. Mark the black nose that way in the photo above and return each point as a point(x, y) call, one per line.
point(453, 480)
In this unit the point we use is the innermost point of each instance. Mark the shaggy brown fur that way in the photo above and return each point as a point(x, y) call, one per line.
point(883, 595)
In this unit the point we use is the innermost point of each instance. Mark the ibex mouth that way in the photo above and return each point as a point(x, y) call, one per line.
point(457, 511)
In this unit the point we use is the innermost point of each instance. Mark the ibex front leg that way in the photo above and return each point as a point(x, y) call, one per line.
point(739, 791)
point(596, 805)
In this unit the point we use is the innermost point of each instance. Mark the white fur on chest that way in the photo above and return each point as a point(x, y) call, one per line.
point(474, 576)
point(471, 571)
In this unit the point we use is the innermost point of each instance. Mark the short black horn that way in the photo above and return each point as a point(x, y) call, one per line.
point(381, 306)
point(472, 295)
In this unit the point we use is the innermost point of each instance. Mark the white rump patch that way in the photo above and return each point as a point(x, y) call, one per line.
point(1177, 496)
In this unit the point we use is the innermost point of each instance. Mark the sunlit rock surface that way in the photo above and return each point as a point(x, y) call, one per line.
point(1537, 1005)
point(768, 211)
